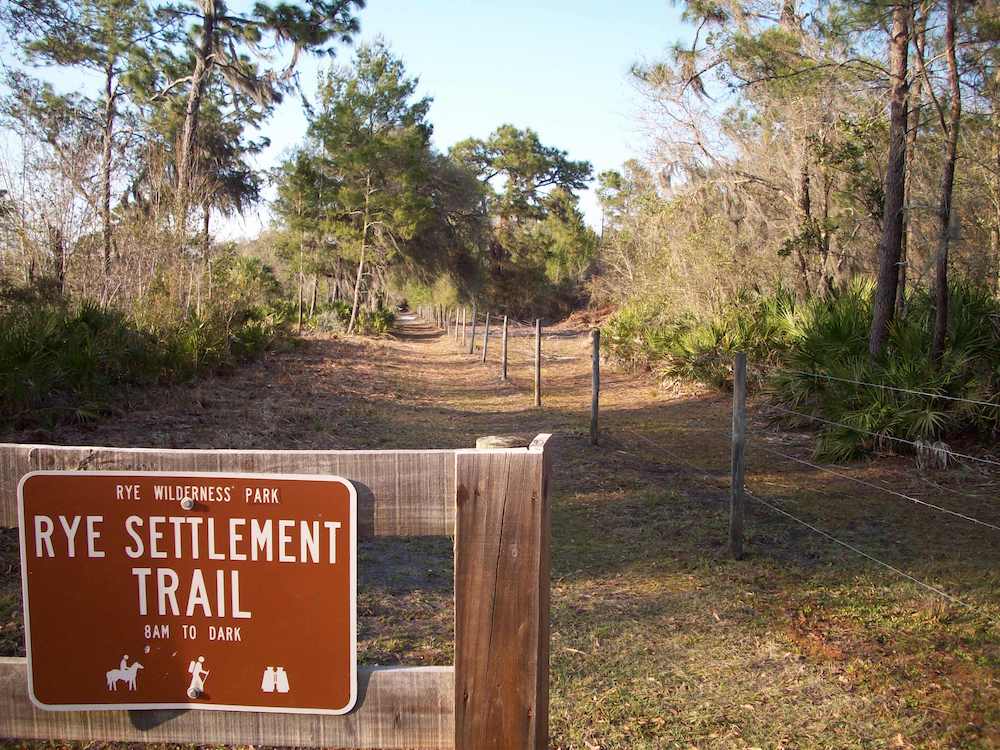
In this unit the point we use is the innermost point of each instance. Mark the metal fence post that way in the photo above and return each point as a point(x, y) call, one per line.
point(737, 500)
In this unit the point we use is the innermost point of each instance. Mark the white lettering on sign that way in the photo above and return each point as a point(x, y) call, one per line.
point(197, 492)
point(127, 492)
point(70, 526)
point(262, 495)
point(226, 590)
point(166, 570)
point(162, 538)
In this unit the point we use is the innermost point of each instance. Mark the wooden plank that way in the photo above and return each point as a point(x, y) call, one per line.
point(398, 707)
point(502, 598)
point(400, 493)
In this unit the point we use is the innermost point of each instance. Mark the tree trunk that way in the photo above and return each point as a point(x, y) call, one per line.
point(995, 234)
point(805, 207)
point(312, 302)
point(106, 152)
point(824, 247)
point(361, 260)
point(357, 288)
point(299, 327)
point(206, 247)
point(57, 246)
point(884, 303)
point(947, 186)
point(202, 67)
point(915, 107)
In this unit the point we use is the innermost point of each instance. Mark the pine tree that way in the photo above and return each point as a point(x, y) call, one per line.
point(109, 37)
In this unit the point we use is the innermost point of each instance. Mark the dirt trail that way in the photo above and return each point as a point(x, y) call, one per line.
point(658, 640)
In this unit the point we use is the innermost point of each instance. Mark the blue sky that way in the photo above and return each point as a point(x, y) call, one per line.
point(557, 66)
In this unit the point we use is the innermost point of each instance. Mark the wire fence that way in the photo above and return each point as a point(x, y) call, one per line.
point(524, 340)
point(911, 391)
point(916, 444)
point(858, 551)
point(756, 441)
point(501, 342)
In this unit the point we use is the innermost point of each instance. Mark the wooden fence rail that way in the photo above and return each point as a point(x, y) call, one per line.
point(495, 503)
point(411, 705)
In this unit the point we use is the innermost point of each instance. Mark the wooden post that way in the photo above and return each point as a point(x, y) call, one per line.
point(486, 336)
point(538, 362)
point(595, 387)
point(737, 500)
point(503, 351)
point(472, 336)
point(502, 537)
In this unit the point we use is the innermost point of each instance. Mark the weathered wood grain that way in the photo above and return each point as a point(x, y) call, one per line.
point(398, 707)
point(400, 493)
point(502, 598)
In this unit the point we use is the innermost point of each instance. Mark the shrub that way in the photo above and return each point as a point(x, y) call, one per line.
point(60, 360)
point(802, 353)
point(376, 322)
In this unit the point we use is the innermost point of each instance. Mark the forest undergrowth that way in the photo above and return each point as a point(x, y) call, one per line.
point(802, 353)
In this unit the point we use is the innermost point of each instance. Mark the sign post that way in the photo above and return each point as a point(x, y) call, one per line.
point(148, 590)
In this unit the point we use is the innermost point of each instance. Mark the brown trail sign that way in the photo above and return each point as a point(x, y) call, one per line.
point(493, 501)
point(208, 591)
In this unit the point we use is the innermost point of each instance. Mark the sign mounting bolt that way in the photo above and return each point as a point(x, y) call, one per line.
point(187, 504)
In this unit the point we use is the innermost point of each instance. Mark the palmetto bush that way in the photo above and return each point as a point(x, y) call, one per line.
point(833, 348)
point(61, 360)
point(801, 354)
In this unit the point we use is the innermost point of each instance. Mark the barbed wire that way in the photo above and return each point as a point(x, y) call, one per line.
point(872, 485)
point(858, 551)
point(806, 524)
point(659, 446)
point(886, 437)
point(926, 394)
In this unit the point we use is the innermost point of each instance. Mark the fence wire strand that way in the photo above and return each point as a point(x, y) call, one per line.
point(806, 524)
point(882, 436)
point(926, 394)
point(866, 483)
point(659, 446)
point(858, 551)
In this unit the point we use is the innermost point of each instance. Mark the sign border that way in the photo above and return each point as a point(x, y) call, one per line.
point(353, 494)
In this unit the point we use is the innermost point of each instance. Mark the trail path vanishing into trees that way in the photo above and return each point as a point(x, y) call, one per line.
point(658, 640)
